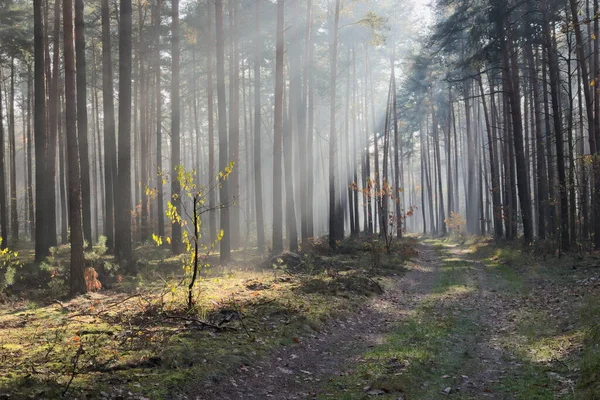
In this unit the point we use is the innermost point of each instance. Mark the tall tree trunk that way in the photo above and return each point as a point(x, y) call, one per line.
point(110, 148)
point(82, 121)
point(175, 127)
point(159, 171)
point(145, 117)
point(3, 209)
point(310, 132)
point(223, 147)
point(558, 129)
point(497, 214)
point(124, 245)
point(333, 226)
point(355, 147)
point(513, 86)
point(31, 206)
point(542, 182)
point(397, 192)
point(290, 206)
point(436, 132)
point(302, 125)
point(234, 127)
point(14, 214)
point(212, 196)
point(42, 248)
point(260, 227)
point(63, 178)
point(278, 134)
point(76, 280)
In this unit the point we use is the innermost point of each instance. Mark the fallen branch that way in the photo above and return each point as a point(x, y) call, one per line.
point(201, 323)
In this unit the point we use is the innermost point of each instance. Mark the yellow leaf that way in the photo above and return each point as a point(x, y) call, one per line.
point(593, 83)
point(593, 36)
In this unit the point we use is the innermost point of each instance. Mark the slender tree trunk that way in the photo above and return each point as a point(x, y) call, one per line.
point(223, 147)
point(82, 120)
point(302, 126)
point(175, 128)
point(234, 126)
point(212, 196)
point(260, 227)
point(3, 209)
point(396, 195)
point(558, 129)
point(14, 211)
point(77, 280)
point(64, 177)
point(310, 134)
point(110, 148)
point(31, 205)
point(355, 147)
point(42, 248)
point(436, 132)
point(278, 134)
point(159, 170)
point(124, 245)
point(497, 214)
point(513, 86)
point(333, 228)
point(290, 206)
point(145, 117)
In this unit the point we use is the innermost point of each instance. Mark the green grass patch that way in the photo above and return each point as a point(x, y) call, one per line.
point(425, 353)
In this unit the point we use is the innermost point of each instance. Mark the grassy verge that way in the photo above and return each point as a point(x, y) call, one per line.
point(138, 340)
point(553, 335)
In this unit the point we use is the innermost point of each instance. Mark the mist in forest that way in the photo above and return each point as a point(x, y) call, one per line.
point(289, 120)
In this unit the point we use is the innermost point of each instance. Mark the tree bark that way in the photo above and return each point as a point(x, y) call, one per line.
point(76, 280)
point(42, 248)
point(110, 149)
point(223, 147)
point(175, 128)
point(124, 245)
point(260, 227)
point(333, 225)
point(278, 134)
point(82, 121)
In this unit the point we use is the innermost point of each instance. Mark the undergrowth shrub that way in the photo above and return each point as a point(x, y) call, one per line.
point(8, 268)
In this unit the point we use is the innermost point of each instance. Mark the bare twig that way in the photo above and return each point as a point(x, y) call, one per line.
point(237, 310)
point(74, 372)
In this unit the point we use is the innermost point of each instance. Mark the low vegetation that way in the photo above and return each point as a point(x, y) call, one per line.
point(136, 337)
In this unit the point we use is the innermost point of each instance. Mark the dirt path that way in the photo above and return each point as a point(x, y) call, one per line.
point(451, 327)
point(297, 372)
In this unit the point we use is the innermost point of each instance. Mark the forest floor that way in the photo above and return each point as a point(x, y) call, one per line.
point(466, 322)
point(462, 319)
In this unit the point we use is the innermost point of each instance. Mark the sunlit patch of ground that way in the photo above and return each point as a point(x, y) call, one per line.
point(140, 338)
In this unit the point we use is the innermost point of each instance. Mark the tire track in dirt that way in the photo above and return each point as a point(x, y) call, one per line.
point(297, 371)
